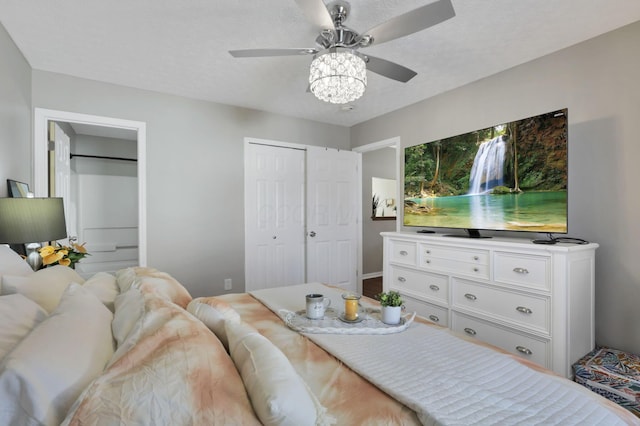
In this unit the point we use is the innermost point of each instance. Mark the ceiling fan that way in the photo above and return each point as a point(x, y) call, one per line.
point(338, 71)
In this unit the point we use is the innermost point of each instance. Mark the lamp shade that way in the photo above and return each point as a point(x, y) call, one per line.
point(30, 220)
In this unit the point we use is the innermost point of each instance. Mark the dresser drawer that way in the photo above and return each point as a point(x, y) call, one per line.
point(526, 346)
point(465, 261)
point(420, 284)
point(433, 313)
point(510, 306)
point(523, 269)
point(403, 252)
point(479, 271)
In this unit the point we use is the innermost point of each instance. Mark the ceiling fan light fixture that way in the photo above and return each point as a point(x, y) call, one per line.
point(338, 76)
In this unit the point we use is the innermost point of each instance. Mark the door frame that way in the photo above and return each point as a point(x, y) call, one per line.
point(42, 117)
point(394, 141)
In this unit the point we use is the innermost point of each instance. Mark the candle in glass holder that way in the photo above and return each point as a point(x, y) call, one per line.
point(351, 305)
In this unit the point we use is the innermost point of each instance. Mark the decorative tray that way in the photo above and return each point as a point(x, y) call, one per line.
point(334, 323)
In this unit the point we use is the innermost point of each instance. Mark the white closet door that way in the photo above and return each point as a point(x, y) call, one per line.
point(332, 216)
point(274, 216)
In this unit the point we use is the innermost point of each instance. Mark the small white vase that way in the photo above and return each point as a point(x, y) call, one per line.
point(391, 314)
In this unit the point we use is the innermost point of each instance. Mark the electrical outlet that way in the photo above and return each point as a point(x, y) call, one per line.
point(227, 283)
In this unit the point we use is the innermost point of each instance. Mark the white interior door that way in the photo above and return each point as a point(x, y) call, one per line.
point(333, 204)
point(274, 216)
point(62, 180)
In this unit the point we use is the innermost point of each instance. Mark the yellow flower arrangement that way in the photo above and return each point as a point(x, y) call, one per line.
point(63, 255)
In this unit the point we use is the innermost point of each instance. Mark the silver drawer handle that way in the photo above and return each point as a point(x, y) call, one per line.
point(427, 261)
point(434, 318)
point(476, 258)
point(470, 296)
point(524, 350)
point(428, 251)
point(402, 279)
point(475, 269)
point(434, 287)
point(524, 310)
point(520, 270)
point(403, 253)
point(470, 331)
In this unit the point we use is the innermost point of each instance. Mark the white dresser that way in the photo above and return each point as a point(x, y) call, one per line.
point(536, 301)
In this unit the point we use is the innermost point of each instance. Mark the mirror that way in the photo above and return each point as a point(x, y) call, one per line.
point(383, 199)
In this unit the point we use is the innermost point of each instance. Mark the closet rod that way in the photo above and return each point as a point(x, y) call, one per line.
point(103, 157)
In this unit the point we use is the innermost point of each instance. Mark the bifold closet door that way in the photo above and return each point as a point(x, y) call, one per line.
point(333, 203)
point(274, 216)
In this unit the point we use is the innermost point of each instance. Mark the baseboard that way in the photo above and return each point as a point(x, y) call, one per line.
point(371, 275)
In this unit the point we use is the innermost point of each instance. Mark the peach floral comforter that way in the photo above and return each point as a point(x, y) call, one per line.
point(174, 371)
point(351, 399)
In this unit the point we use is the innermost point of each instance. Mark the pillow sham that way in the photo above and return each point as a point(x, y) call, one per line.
point(45, 373)
point(18, 316)
point(11, 263)
point(104, 286)
point(45, 287)
point(278, 394)
point(214, 313)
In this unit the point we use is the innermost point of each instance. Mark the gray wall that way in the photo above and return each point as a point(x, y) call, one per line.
point(195, 195)
point(598, 81)
point(15, 114)
point(380, 163)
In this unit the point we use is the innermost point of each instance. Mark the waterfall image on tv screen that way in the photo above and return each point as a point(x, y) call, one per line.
point(510, 177)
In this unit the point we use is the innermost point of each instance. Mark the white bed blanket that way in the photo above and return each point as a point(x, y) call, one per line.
point(450, 381)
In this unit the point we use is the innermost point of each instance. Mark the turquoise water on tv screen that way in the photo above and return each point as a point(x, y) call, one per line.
point(544, 211)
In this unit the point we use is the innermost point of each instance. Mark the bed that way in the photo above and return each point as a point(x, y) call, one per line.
point(136, 349)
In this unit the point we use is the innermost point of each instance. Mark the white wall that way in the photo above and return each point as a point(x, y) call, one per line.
point(194, 170)
point(15, 114)
point(380, 163)
point(599, 82)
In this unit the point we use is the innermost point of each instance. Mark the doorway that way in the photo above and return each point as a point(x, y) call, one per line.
point(380, 160)
point(104, 127)
point(301, 215)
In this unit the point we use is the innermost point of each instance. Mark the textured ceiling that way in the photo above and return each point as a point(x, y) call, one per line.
point(181, 48)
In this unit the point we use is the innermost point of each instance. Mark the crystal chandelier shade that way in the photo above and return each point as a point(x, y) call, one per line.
point(338, 77)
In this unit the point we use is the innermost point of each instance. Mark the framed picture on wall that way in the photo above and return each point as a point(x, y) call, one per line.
point(17, 189)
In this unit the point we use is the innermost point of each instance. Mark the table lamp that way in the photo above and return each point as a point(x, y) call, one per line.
point(30, 221)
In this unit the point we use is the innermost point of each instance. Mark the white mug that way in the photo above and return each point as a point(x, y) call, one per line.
point(316, 305)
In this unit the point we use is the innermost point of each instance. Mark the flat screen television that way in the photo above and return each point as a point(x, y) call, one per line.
point(508, 177)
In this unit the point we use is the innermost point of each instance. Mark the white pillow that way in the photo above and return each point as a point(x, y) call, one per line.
point(18, 316)
point(45, 287)
point(104, 286)
point(278, 394)
point(214, 313)
point(12, 264)
point(45, 373)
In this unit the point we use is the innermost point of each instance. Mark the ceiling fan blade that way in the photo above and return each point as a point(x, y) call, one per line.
point(317, 13)
point(389, 69)
point(411, 22)
point(257, 53)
